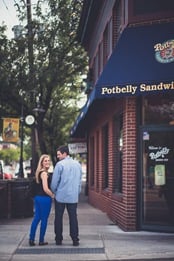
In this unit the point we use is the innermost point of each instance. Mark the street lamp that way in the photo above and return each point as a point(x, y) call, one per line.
point(37, 111)
point(29, 31)
point(21, 169)
point(29, 119)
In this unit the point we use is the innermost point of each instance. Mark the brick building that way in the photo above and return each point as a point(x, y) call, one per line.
point(128, 120)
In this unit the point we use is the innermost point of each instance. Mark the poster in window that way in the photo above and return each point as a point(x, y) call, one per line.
point(160, 177)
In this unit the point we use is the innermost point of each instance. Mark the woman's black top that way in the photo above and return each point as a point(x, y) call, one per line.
point(40, 191)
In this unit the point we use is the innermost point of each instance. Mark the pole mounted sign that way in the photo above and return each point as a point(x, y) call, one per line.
point(10, 130)
point(79, 147)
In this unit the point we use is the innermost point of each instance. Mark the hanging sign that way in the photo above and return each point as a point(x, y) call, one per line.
point(10, 130)
point(79, 147)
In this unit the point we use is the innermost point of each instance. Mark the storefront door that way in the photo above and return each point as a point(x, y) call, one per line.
point(157, 179)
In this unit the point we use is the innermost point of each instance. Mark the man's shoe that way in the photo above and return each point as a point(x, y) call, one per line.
point(75, 243)
point(43, 243)
point(58, 243)
point(31, 243)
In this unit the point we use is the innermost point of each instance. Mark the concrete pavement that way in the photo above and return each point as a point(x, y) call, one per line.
point(100, 240)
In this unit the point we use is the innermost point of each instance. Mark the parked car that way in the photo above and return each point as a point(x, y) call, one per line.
point(7, 175)
point(8, 172)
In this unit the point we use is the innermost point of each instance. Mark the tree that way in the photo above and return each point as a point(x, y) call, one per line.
point(57, 66)
point(9, 155)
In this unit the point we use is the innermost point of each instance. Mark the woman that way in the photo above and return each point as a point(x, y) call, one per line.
point(42, 201)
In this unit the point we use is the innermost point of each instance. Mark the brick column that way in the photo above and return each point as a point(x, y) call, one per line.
point(129, 163)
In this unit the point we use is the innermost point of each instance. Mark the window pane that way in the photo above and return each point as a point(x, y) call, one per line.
point(118, 146)
point(158, 111)
point(105, 156)
point(158, 177)
point(91, 165)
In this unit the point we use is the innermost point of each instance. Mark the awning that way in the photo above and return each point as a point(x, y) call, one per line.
point(142, 63)
point(82, 115)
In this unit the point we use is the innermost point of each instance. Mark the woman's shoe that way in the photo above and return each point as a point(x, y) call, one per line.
point(31, 243)
point(43, 243)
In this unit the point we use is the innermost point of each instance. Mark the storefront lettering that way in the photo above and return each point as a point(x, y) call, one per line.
point(164, 52)
point(160, 47)
point(131, 89)
point(157, 87)
point(160, 153)
point(116, 89)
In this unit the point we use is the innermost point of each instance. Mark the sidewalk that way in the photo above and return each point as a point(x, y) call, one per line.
point(99, 240)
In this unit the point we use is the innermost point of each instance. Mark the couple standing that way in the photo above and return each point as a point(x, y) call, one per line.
point(64, 188)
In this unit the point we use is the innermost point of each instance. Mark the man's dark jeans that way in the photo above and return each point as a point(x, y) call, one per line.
point(73, 222)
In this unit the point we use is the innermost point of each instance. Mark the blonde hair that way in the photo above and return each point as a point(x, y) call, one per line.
point(40, 166)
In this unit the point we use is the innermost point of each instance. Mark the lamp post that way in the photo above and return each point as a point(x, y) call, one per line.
point(37, 110)
point(21, 169)
point(30, 44)
point(29, 119)
point(19, 31)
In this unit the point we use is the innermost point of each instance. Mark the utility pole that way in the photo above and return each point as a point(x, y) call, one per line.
point(30, 45)
point(21, 168)
point(31, 80)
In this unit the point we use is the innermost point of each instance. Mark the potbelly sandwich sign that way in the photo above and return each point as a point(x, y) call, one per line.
point(163, 54)
point(10, 130)
point(131, 89)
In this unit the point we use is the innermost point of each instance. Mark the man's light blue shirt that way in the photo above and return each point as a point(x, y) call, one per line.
point(66, 180)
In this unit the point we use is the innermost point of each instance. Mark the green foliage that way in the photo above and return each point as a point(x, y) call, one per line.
point(47, 65)
point(9, 155)
point(13, 155)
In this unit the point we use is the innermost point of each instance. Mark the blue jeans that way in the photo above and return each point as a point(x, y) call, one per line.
point(73, 222)
point(42, 207)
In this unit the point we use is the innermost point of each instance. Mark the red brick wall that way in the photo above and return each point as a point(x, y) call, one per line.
point(121, 208)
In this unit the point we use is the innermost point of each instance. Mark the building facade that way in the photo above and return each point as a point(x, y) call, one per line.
point(128, 120)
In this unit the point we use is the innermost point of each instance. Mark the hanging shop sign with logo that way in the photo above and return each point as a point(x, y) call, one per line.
point(10, 130)
point(163, 54)
point(79, 147)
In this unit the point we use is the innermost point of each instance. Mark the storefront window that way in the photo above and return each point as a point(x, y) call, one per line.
point(91, 165)
point(158, 110)
point(118, 146)
point(157, 137)
point(97, 162)
point(158, 176)
point(105, 155)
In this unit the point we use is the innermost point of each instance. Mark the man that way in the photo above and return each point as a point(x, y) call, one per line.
point(66, 185)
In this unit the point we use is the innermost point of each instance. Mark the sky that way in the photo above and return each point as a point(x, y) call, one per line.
point(8, 15)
